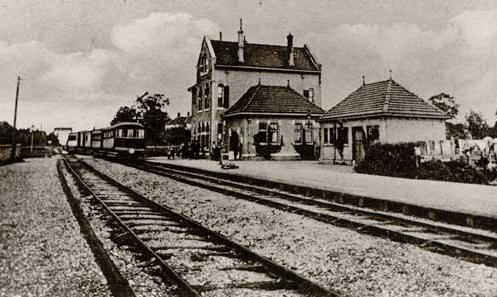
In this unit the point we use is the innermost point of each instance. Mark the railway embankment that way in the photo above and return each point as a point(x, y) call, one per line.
point(42, 252)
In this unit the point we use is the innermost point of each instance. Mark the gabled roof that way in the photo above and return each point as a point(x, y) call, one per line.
point(383, 98)
point(261, 100)
point(180, 121)
point(263, 56)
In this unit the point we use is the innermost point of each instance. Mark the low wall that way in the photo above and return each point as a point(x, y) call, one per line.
point(5, 151)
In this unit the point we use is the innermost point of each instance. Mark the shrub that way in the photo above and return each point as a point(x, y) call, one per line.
point(453, 171)
point(464, 173)
point(390, 159)
point(399, 160)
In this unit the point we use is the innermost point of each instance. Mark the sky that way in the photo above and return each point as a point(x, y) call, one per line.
point(81, 60)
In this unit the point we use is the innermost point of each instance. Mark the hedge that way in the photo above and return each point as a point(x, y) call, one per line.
point(390, 159)
point(399, 160)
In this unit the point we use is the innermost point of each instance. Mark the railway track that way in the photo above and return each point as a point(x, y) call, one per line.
point(469, 244)
point(195, 260)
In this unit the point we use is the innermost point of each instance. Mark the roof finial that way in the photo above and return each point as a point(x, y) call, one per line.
point(241, 24)
point(259, 81)
point(288, 83)
point(363, 80)
point(390, 71)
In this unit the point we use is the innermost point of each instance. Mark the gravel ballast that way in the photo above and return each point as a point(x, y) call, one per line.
point(42, 252)
point(126, 261)
point(340, 259)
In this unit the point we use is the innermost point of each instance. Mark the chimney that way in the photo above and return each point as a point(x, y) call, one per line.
point(179, 114)
point(220, 36)
point(187, 113)
point(241, 41)
point(289, 46)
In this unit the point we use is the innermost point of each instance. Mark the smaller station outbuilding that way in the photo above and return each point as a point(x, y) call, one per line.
point(383, 112)
point(274, 122)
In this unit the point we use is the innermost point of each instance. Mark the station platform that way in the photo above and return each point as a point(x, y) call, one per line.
point(475, 200)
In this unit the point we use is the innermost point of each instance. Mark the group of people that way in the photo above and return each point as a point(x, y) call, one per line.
point(193, 150)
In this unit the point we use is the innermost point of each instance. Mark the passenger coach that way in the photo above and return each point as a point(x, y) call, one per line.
point(124, 140)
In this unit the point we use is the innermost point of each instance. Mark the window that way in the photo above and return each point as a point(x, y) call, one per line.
point(219, 130)
point(373, 133)
point(200, 98)
point(325, 135)
point(263, 132)
point(203, 65)
point(207, 95)
point(343, 134)
point(309, 94)
point(220, 96)
point(226, 97)
point(308, 132)
point(273, 133)
point(298, 133)
point(130, 133)
point(333, 135)
point(124, 133)
point(141, 133)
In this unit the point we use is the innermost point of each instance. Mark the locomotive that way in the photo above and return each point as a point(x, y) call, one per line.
point(124, 141)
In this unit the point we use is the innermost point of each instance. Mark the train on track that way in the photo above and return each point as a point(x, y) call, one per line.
point(124, 141)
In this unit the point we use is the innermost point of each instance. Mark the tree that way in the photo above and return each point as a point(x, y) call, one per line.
point(152, 116)
point(148, 110)
point(477, 125)
point(177, 136)
point(125, 114)
point(446, 103)
point(455, 130)
point(5, 133)
point(54, 140)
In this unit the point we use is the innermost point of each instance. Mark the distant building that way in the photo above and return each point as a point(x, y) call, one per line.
point(62, 134)
point(382, 111)
point(226, 70)
point(180, 122)
point(274, 118)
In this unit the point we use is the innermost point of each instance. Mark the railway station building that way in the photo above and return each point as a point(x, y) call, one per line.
point(273, 122)
point(226, 70)
point(383, 112)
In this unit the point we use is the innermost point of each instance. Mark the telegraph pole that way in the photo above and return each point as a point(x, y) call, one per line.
point(13, 152)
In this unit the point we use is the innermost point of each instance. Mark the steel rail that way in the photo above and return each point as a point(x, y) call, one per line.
point(303, 284)
point(435, 245)
point(188, 290)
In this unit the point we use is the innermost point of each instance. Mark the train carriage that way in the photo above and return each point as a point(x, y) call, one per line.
point(124, 140)
point(72, 142)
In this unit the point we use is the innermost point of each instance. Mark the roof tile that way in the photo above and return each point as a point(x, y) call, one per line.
point(264, 99)
point(262, 55)
point(383, 98)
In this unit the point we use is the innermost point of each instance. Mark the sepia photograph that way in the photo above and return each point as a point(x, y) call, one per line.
point(230, 148)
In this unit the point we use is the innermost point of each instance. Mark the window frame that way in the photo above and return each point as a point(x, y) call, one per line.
point(298, 127)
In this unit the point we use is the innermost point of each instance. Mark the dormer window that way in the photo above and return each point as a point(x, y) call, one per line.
point(203, 67)
point(309, 94)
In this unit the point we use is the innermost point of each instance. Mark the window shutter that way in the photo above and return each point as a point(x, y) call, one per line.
point(226, 96)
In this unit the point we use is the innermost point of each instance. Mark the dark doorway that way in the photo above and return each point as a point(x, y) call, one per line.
point(358, 140)
point(235, 144)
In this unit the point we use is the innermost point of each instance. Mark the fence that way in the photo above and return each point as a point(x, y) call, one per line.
point(441, 150)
